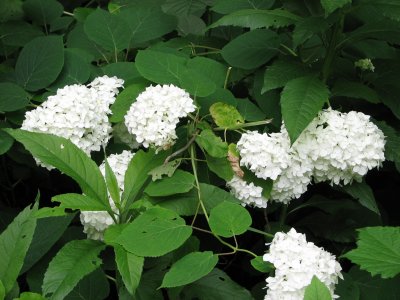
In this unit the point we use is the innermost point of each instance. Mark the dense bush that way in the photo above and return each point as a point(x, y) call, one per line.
point(211, 149)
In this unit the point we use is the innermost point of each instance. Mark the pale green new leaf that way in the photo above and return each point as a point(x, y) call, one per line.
point(14, 244)
point(180, 182)
point(377, 251)
point(75, 260)
point(29, 296)
point(190, 268)
point(212, 143)
point(331, 5)
point(225, 116)
point(316, 290)
point(251, 49)
point(168, 169)
point(156, 232)
point(68, 158)
point(364, 194)
point(257, 18)
point(228, 219)
point(130, 267)
point(301, 100)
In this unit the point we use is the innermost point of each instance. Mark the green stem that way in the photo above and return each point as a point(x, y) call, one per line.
point(261, 232)
point(289, 50)
point(228, 73)
point(244, 125)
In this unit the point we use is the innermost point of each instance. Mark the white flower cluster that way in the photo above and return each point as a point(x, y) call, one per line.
point(95, 222)
point(78, 113)
point(248, 193)
point(336, 147)
point(154, 115)
point(296, 262)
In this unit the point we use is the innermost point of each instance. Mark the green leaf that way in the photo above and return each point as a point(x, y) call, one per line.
point(228, 219)
point(331, 5)
point(124, 70)
point(216, 286)
point(79, 201)
point(124, 101)
point(43, 11)
point(196, 83)
point(249, 110)
point(212, 144)
point(14, 244)
point(301, 100)
point(2, 291)
point(281, 72)
point(355, 90)
point(180, 182)
point(18, 33)
point(257, 18)
point(61, 24)
point(11, 10)
point(260, 265)
point(165, 169)
point(190, 268)
point(160, 67)
point(40, 62)
point(225, 116)
point(137, 173)
point(75, 71)
point(251, 49)
point(12, 97)
point(107, 30)
point(157, 231)
point(214, 70)
point(47, 232)
point(364, 194)
point(377, 251)
point(309, 27)
point(130, 267)
point(389, 8)
point(147, 23)
point(220, 166)
point(6, 141)
point(317, 290)
point(92, 287)
point(112, 183)
point(29, 296)
point(229, 6)
point(68, 158)
point(183, 7)
point(392, 142)
point(74, 261)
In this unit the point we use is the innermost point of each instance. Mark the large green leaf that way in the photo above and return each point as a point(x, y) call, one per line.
point(74, 261)
point(68, 158)
point(14, 244)
point(229, 6)
point(2, 290)
point(215, 286)
point(214, 70)
point(180, 182)
point(12, 97)
point(316, 290)
point(190, 268)
point(250, 111)
point(257, 18)
point(281, 72)
point(228, 219)
point(147, 23)
point(356, 90)
point(212, 144)
point(364, 194)
point(40, 62)
point(124, 101)
point(137, 173)
point(196, 83)
point(107, 30)
point(6, 141)
point(43, 11)
point(225, 116)
point(79, 201)
point(251, 49)
point(220, 166)
point(130, 267)
point(47, 232)
point(377, 251)
point(124, 70)
point(92, 287)
point(160, 67)
point(389, 8)
point(301, 100)
point(156, 232)
point(18, 33)
point(330, 6)
point(11, 10)
point(392, 142)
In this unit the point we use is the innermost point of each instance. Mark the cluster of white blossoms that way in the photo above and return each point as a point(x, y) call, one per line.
point(153, 117)
point(296, 262)
point(78, 113)
point(95, 222)
point(335, 147)
point(248, 193)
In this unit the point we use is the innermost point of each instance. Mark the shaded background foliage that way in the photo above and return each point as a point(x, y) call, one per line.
point(45, 45)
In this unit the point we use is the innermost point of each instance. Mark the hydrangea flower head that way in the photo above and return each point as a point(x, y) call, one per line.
point(296, 262)
point(95, 222)
point(248, 193)
point(153, 117)
point(78, 113)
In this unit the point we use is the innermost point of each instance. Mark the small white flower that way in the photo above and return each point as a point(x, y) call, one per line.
point(153, 117)
point(296, 262)
point(248, 193)
point(95, 222)
point(365, 64)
